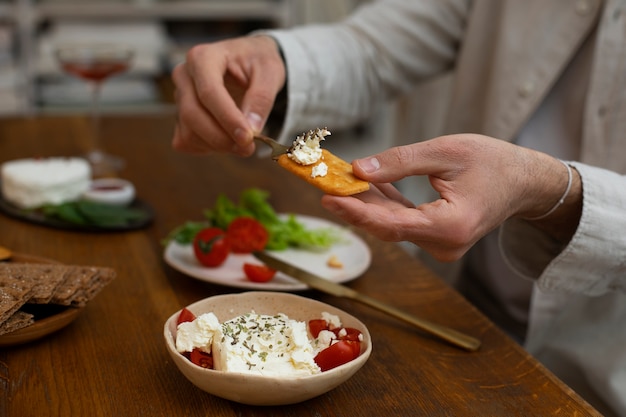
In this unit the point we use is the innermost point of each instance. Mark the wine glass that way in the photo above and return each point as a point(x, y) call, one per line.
point(95, 63)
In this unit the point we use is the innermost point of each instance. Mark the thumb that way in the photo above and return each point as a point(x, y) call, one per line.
point(392, 164)
point(440, 157)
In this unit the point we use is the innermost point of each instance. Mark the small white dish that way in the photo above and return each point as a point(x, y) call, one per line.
point(114, 191)
point(253, 389)
point(352, 251)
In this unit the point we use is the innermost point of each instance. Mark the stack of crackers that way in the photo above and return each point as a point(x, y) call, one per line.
point(31, 283)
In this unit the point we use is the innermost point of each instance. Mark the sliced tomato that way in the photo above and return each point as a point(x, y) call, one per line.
point(211, 247)
point(347, 333)
point(185, 316)
point(258, 273)
point(316, 326)
point(337, 354)
point(246, 235)
point(201, 358)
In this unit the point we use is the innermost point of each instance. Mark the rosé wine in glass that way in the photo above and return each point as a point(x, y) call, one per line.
point(95, 63)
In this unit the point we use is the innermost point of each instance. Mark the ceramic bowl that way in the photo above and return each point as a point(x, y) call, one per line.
point(114, 191)
point(244, 388)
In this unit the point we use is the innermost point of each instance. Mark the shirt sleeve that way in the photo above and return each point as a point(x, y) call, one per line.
point(339, 73)
point(594, 261)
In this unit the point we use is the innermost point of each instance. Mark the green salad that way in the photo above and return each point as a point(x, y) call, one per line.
point(285, 231)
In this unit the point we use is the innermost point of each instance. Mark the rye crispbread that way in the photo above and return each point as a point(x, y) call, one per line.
point(17, 321)
point(81, 285)
point(47, 278)
point(339, 180)
point(33, 283)
point(15, 291)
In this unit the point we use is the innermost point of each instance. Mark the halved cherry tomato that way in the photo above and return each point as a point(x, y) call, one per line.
point(246, 235)
point(185, 316)
point(350, 333)
point(201, 358)
point(211, 247)
point(316, 326)
point(337, 354)
point(258, 273)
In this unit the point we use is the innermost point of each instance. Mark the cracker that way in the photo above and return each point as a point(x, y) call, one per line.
point(98, 281)
point(14, 293)
point(46, 278)
point(77, 279)
point(339, 180)
point(18, 320)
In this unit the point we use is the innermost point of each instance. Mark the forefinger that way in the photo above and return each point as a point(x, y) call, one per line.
point(213, 93)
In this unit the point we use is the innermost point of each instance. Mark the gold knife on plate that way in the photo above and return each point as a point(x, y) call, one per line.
point(450, 335)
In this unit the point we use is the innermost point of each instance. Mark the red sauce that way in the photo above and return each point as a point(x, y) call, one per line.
point(107, 187)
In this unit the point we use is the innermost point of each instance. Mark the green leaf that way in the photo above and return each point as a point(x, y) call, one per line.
point(185, 233)
point(89, 213)
point(253, 202)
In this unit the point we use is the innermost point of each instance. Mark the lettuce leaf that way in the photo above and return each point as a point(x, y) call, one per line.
point(285, 232)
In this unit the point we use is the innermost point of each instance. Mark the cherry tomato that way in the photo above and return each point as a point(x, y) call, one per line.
point(246, 235)
point(349, 333)
point(337, 354)
point(316, 326)
point(211, 246)
point(185, 316)
point(258, 273)
point(201, 358)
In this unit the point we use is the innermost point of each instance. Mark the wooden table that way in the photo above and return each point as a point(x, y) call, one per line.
point(112, 361)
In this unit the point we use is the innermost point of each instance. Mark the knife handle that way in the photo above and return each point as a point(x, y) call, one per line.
point(450, 335)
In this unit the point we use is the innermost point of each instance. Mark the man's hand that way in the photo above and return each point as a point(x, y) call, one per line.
point(224, 93)
point(481, 182)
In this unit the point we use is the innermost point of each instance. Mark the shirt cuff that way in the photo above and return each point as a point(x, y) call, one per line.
point(593, 261)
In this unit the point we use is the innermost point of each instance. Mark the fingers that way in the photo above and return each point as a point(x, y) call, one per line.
point(217, 92)
point(224, 94)
point(481, 182)
point(265, 79)
point(477, 179)
point(193, 117)
point(435, 227)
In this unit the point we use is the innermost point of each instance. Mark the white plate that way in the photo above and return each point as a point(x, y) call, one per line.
point(351, 251)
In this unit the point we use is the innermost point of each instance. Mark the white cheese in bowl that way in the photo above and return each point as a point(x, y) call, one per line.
point(306, 148)
point(270, 345)
point(198, 333)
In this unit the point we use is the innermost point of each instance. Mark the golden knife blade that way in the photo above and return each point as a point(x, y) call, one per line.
point(277, 148)
point(450, 335)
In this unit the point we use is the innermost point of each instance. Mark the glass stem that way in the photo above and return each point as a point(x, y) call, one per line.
point(96, 145)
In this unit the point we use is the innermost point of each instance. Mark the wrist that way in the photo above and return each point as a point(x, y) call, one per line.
point(561, 200)
point(558, 209)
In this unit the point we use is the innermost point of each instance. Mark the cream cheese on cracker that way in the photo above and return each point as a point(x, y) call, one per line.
point(306, 148)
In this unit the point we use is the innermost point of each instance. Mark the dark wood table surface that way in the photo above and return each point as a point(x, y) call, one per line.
point(112, 361)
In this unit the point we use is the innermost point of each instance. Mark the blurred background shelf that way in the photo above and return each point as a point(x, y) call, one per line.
point(160, 31)
point(192, 10)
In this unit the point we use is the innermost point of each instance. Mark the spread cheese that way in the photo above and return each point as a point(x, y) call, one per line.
point(319, 170)
point(306, 148)
point(30, 183)
point(270, 345)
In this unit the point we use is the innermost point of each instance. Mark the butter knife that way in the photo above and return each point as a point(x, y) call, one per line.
point(277, 148)
point(452, 336)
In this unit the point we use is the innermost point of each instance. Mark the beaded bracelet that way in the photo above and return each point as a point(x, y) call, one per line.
point(562, 199)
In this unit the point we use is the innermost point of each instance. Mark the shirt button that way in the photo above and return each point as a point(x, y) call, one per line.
point(583, 7)
point(526, 89)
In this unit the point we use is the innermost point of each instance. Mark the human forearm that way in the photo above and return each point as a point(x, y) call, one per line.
point(339, 74)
